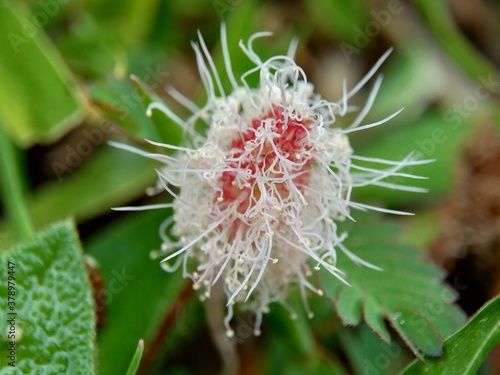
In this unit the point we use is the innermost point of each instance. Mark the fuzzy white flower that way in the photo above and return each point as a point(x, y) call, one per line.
point(259, 194)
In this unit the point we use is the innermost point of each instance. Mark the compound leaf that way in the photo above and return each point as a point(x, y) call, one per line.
point(408, 292)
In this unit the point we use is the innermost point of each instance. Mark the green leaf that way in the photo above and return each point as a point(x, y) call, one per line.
point(434, 136)
point(368, 355)
point(375, 318)
point(117, 177)
point(90, 49)
point(465, 350)
point(54, 311)
point(283, 357)
point(339, 19)
point(408, 293)
point(166, 129)
point(295, 331)
point(349, 305)
point(136, 286)
point(40, 100)
point(11, 189)
point(456, 44)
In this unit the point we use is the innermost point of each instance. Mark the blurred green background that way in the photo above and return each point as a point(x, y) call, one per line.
point(65, 89)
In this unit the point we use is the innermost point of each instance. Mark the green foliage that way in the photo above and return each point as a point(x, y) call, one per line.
point(165, 129)
point(454, 42)
point(367, 354)
point(431, 138)
point(342, 20)
point(408, 292)
point(136, 286)
point(75, 196)
point(91, 50)
point(48, 65)
point(11, 185)
point(466, 349)
point(54, 321)
point(39, 101)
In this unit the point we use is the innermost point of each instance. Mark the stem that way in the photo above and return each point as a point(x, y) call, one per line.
point(11, 189)
point(215, 311)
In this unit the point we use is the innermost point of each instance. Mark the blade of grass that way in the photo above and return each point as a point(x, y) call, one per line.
point(136, 359)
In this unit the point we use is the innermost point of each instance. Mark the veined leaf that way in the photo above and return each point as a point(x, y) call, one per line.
point(408, 292)
point(50, 312)
point(465, 351)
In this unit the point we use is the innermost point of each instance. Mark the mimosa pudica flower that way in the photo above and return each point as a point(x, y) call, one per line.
point(258, 195)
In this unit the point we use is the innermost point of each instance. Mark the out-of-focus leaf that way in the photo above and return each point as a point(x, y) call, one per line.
point(400, 88)
point(408, 293)
point(345, 20)
point(368, 355)
point(318, 366)
point(91, 50)
point(130, 21)
point(283, 356)
point(12, 189)
point(40, 100)
point(116, 177)
point(295, 332)
point(118, 101)
point(46, 293)
point(166, 129)
point(110, 178)
point(460, 49)
point(241, 21)
point(126, 103)
point(349, 303)
point(136, 286)
point(423, 229)
point(465, 350)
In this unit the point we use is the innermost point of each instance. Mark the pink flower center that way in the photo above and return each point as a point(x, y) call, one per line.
point(267, 160)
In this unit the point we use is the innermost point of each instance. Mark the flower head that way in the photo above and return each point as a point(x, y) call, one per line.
point(260, 193)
